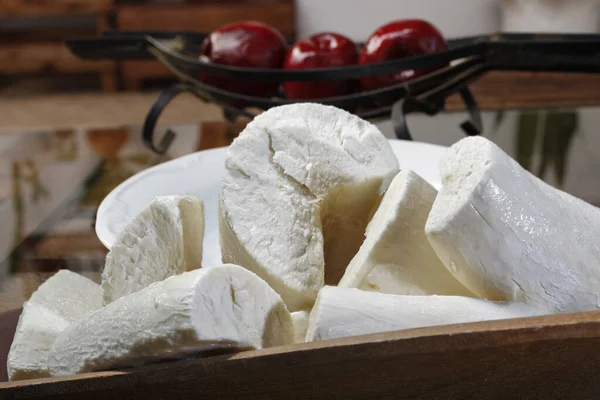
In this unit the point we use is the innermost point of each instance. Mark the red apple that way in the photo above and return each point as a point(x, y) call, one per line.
point(247, 44)
point(399, 39)
point(323, 50)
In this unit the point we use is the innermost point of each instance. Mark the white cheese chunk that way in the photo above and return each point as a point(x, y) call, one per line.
point(396, 256)
point(300, 319)
point(340, 312)
point(507, 235)
point(61, 300)
point(165, 239)
point(214, 308)
point(300, 186)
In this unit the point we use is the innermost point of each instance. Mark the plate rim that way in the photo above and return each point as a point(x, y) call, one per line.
point(121, 186)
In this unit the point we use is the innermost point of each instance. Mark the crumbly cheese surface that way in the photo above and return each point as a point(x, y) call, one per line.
point(301, 182)
point(219, 307)
point(165, 239)
point(63, 299)
point(300, 319)
point(396, 256)
point(343, 312)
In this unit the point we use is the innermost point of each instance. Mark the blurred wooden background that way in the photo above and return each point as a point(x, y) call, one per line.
point(32, 32)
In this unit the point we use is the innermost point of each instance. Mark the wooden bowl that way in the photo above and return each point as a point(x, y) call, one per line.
point(551, 357)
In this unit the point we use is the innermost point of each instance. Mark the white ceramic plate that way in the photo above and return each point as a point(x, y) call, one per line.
point(200, 174)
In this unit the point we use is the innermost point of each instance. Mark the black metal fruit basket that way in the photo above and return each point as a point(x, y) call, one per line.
point(466, 60)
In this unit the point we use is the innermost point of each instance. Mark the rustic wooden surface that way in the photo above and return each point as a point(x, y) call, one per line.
point(53, 7)
point(513, 90)
point(200, 18)
point(554, 357)
point(206, 17)
point(8, 325)
point(496, 90)
point(44, 57)
point(97, 110)
point(43, 52)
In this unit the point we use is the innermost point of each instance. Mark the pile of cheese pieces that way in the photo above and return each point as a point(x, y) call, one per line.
point(323, 238)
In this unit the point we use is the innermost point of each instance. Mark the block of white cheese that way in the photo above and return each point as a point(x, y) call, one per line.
point(300, 186)
point(63, 299)
point(343, 312)
point(396, 256)
point(222, 307)
point(507, 235)
point(165, 239)
point(300, 319)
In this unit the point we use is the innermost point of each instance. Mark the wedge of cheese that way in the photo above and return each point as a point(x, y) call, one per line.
point(61, 300)
point(340, 312)
point(507, 235)
point(165, 239)
point(396, 256)
point(300, 319)
point(222, 307)
point(300, 186)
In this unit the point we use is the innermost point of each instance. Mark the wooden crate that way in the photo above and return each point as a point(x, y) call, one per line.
point(195, 17)
point(545, 358)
